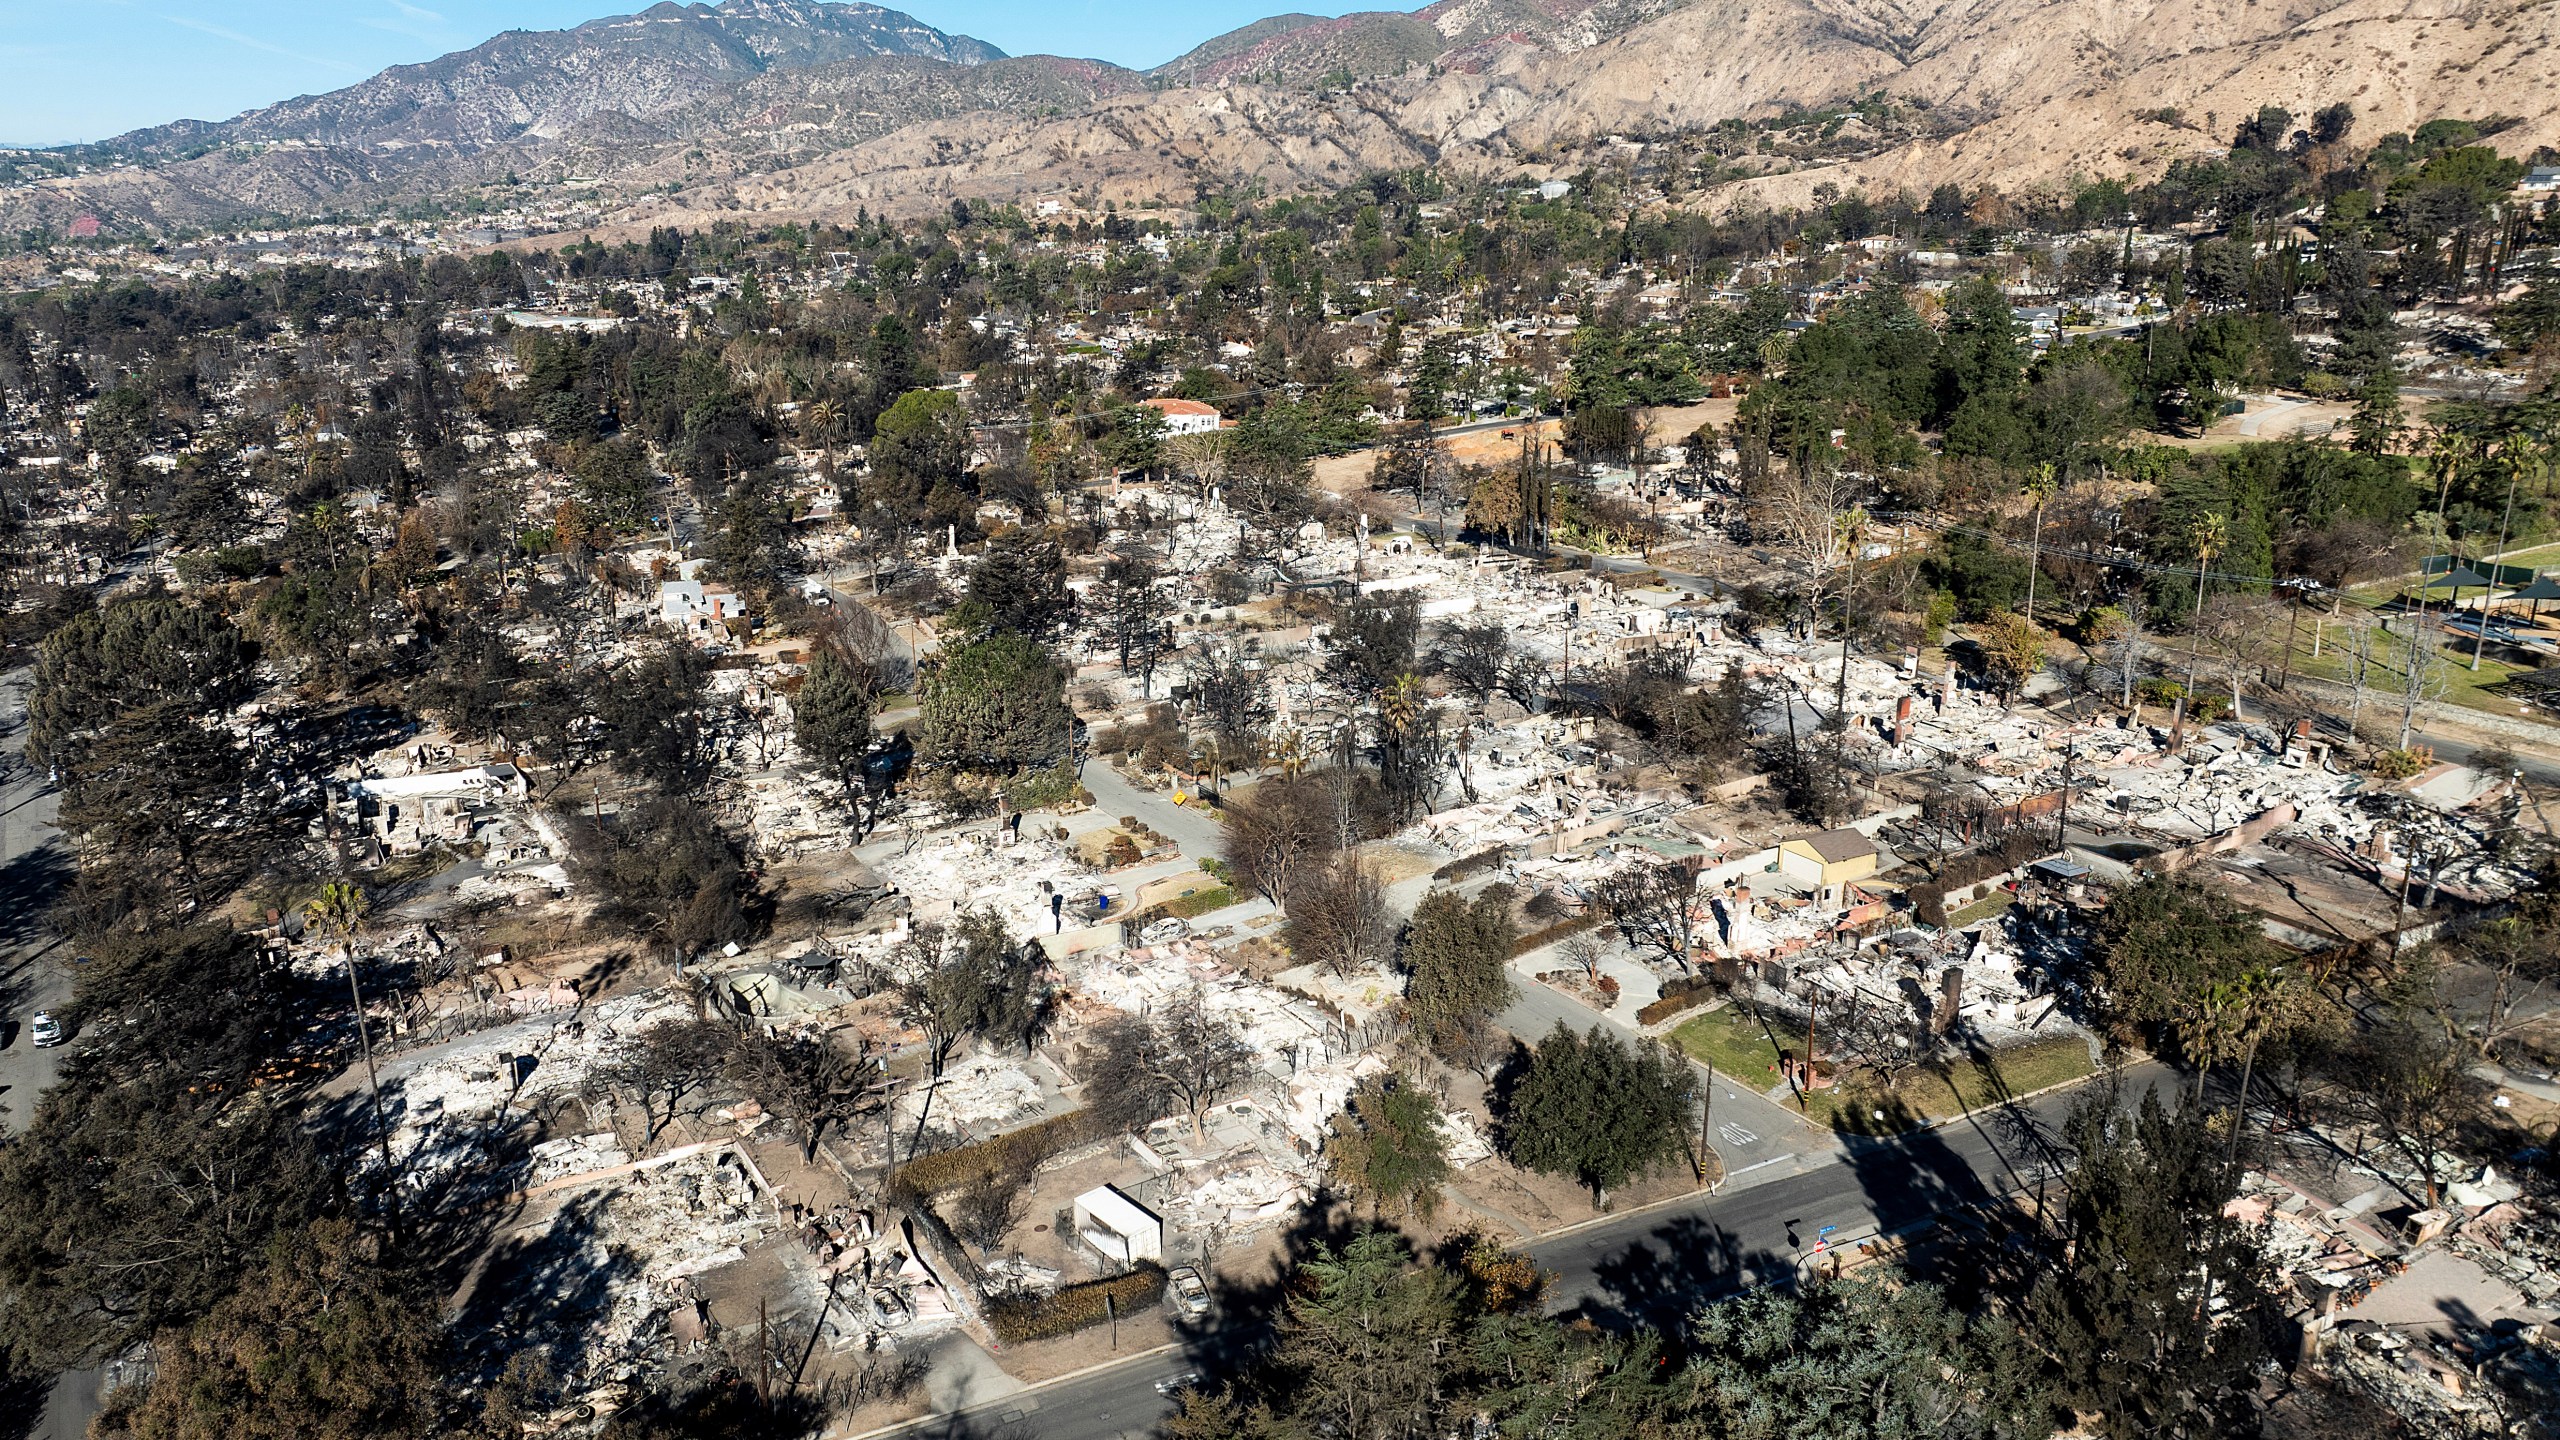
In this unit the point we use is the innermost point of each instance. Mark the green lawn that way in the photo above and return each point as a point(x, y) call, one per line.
point(1735, 1044)
point(2464, 686)
point(1983, 909)
point(1923, 1096)
point(1201, 902)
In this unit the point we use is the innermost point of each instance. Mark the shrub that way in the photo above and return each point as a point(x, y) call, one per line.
point(1556, 932)
point(1466, 865)
point(1019, 1151)
point(1685, 993)
point(2401, 764)
point(1017, 1319)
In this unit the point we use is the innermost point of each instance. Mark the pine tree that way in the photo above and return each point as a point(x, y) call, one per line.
point(1456, 954)
point(1593, 1107)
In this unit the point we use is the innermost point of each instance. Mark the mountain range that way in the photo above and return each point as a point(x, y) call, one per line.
point(685, 113)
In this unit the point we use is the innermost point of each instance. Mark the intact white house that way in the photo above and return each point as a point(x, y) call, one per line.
point(695, 606)
point(1185, 417)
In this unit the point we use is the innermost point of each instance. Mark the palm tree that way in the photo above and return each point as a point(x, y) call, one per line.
point(339, 913)
point(823, 417)
point(1291, 752)
point(2264, 1004)
point(2211, 531)
point(2040, 489)
point(2209, 1029)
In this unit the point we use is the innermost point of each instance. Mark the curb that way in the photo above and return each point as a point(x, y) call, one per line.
point(1716, 1191)
point(1031, 1389)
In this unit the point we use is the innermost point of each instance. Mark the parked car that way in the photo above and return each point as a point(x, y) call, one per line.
point(44, 1030)
point(1190, 1293)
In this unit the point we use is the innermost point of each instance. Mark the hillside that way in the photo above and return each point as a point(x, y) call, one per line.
point(792, 107)
point(543, 83)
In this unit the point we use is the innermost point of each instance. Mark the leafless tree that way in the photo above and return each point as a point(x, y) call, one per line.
point(1337, 918)
point(1656, 908)
point(662, 1067)
point(1799, 507)
point(809, 1081)
point(2241, 631)
point(2422, 677)
point(1181, 1059)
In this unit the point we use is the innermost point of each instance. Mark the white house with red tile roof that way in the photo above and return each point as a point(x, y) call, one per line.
point(1184, 417)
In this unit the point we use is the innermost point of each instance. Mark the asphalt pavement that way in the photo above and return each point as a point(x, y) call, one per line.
point(1649, 1266)
point(33, 862)
point(35, 974)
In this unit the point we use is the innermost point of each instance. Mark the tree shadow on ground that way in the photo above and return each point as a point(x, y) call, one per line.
point(22, 1400)
point(29, 885)
point(551, 1286)
point(1659, 1280)
point(1245, 1312)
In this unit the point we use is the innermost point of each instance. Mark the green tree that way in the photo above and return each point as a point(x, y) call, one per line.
point(1363, 1340)
point(1456, 956)
point(1130, 610)
point(2164, 942)
point(131, 655)
point(203, 1004)
point(1980, 367)
point(1853, 1360)
point(162, 806)
point(922, 441)
point(1426, 393)
point(613, 479)
point(2158, 1315)
point(1598, 1109)
point(831, 715)
point(995, 705)
point(321, 1341)
point(134, 1207)
point(666, 868)
point(1135, 439)
point(655, 724)
point(1388, 1144)
point(2531, 318)
point(1020, 584)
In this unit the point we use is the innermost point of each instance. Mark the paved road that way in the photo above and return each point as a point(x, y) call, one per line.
point(33, 976)
point(33, 862)
point(1650, 1266)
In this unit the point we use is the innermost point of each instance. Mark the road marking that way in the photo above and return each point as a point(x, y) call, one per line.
point(1735, 1135)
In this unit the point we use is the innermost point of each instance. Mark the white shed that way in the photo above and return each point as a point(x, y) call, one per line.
point(1118, 1226)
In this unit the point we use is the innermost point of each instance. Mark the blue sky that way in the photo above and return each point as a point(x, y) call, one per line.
point(88, 69)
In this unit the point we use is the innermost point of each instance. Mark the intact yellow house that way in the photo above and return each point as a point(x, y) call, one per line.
point(1828, 863)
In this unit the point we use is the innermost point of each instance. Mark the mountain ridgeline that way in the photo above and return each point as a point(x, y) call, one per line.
point(795, 108)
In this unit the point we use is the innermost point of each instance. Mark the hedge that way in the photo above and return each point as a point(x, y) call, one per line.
point(1688, 997)
point(1466, 865)
point(1020, 1318)
point(1556, 932)
point(1020, 1151)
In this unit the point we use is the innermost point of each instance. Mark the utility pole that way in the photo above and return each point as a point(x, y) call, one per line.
point(2480, 636)
point(1706, 1120)
point(1856, 521)
point(1812, 1014)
